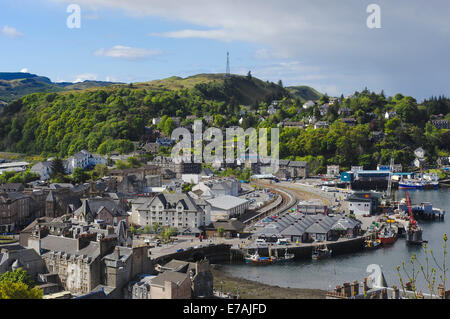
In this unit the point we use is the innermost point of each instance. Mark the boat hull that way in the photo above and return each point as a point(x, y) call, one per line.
point(388, 240)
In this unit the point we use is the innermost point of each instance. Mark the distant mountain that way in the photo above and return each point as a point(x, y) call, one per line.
point(304, 93)
point(14, 85)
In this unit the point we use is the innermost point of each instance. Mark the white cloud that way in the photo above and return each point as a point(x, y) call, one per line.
point(24, 70)
point(84, 77)
point(11, 32)
point(124, 52)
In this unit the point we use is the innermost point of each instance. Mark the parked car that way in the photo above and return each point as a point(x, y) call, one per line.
point(179, 250)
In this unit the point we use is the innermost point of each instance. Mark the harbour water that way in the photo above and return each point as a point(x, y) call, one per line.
point(326, 274)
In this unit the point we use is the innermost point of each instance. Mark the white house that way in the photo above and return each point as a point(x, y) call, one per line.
point(308, 104)
point(44, 169)
point(173, 210)
point(83, 159)
point(320, 124)
point(216, 188)
point(271, 110)
point(419, 153)
point(390, 115)
point(358, 206)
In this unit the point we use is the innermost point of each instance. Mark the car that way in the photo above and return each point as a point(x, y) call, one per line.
point(179, 250)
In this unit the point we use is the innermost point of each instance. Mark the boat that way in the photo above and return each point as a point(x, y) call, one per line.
point(256, 259)
point(287, 257)
point(418, 184)
point(414, 235)
point(321, 252)
point(388, 235)
point(371, 244)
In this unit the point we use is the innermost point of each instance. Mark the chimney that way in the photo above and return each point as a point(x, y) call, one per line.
point(396, 292)
point(408, 286)
point(355, 288)
point(347, 289)
point(365, 286)
point(337, 290)
point(84, 239)
point(117, 253)
point(110, 230)
point(441, 291)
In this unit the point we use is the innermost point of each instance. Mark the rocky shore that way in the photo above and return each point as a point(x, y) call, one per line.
point(254, 290)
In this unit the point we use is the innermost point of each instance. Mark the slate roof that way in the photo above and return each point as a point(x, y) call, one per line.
point(69, 246)
point(226, 202)
point(229, 225)
point(170, 201)
point(172, 276)
point(96, 204)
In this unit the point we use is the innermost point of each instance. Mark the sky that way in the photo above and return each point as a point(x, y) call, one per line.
point(325, 44)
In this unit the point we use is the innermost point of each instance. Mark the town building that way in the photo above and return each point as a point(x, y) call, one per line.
point(321, 124)
point(225, 228)
point(358, 206)
point(44, 169)
point(333, 170)
point(84, 160)
point(14, 167)
point(226, 207)
point(306, 228)
point(173, 210)
point(15, 211)
point(441, 124)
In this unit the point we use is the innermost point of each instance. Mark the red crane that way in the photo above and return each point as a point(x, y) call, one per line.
point(411, 217)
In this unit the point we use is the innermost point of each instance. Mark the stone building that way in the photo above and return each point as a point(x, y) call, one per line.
point(105, 209)
point(14, 257)
point(180, 280)
point(15, 211)
point(86, 257)
point(61, 201)
point(178, 168)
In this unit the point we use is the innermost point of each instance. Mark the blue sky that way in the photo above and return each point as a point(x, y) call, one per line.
point(324, 44)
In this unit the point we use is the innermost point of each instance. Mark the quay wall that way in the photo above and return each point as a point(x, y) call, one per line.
point(224, 253)
point(341, 247)
point(215, 254)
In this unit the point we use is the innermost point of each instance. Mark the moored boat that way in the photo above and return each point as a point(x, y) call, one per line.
point(321, 252)
point(371, 244)
point(287, 257)
point(256, 259)
point(388, 235)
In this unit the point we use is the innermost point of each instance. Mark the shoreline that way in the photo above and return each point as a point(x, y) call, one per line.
point(249, 289)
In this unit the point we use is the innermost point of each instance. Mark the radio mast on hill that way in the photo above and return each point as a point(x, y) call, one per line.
point(227, 73)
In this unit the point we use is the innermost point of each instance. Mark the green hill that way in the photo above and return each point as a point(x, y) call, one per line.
point(217, 86)
point(304, 93)
point(16, 85)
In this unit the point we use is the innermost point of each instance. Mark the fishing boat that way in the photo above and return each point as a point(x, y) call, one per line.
point(371, 244)
point(414, 235)
point(388, 235)
point(287, 257)
point(321, 252)
point(257, 259)
point(410, 184)
point(418, 184)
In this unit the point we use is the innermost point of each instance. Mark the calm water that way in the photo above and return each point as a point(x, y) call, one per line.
point(326, 274)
